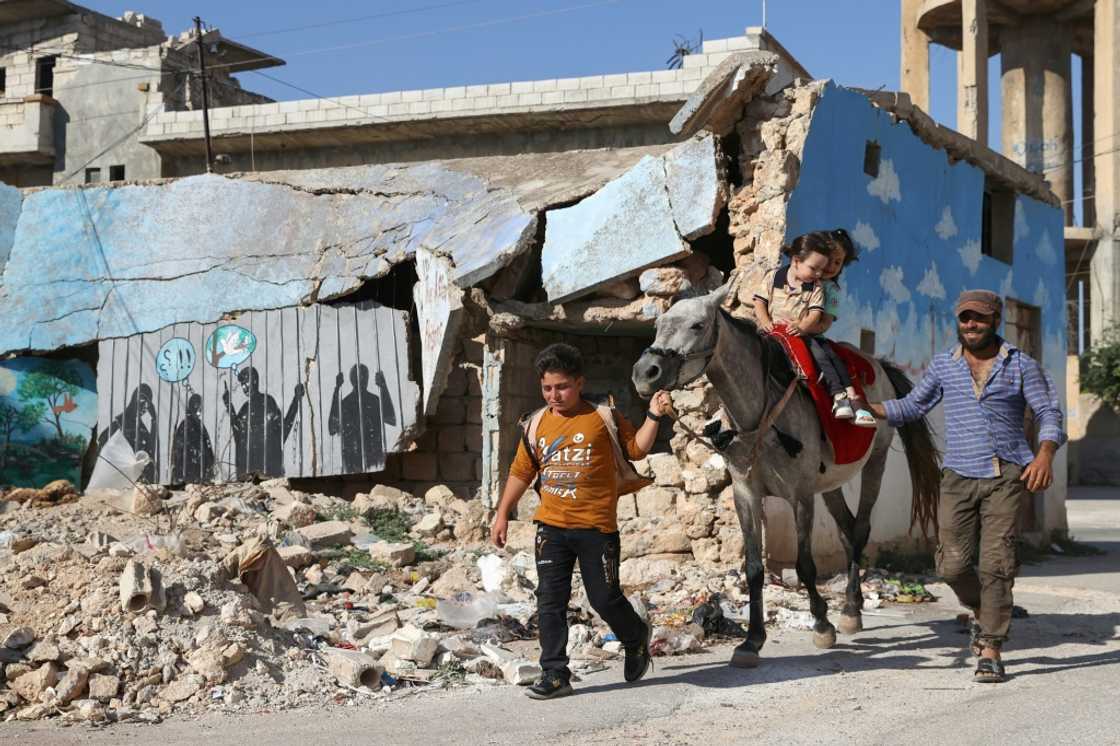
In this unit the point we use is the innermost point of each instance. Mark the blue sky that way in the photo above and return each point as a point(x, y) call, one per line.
point(437, 43)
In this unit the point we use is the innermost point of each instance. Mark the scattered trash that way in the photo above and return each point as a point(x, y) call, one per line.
point(466, 610)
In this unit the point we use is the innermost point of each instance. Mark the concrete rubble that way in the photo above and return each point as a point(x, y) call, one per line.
point(149, 620)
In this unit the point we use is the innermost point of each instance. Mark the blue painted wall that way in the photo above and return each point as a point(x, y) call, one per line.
point(917, 226)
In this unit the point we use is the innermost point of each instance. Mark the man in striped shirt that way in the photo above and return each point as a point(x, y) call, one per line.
point(986, 385)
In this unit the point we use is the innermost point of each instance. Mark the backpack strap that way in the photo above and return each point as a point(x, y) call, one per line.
point(530, 422)
point(628, 478)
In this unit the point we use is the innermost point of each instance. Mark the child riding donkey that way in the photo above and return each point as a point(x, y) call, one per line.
point(802, 298)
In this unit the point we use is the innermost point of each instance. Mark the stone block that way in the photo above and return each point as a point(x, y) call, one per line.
point(33, 683)
point(627, 507)
point(296, 556)
point(641, 571)
point(429, 525)
point(103, 687)
point(72, 685)
point(397, 555)
point(295, 514)
point(43, 651)
point(457, 467)
point(354, 668)
point(420, 467)
point(182, 688)
point(655, 502)
point(413, 644)
point(666, 470)
point(326, 534)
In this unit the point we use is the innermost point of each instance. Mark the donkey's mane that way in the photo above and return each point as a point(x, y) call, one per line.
point(780, 369)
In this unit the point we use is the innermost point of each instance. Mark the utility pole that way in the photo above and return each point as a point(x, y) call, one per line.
point(205, 92)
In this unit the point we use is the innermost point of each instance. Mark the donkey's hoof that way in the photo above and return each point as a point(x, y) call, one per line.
point(745, 658)
point(849, 625)
point(826, 639)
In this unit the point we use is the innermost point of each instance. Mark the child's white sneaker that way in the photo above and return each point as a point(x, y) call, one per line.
point(842, 408)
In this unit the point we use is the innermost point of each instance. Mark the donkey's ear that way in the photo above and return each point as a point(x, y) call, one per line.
point(719, 295)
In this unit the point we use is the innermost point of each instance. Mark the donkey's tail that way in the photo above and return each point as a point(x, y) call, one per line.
point(922, 457)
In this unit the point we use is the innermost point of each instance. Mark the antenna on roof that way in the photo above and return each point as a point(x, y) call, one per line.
point(763, 13)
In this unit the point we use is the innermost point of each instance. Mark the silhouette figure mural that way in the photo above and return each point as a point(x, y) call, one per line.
point(140, 423)
point(258, 430)
point(192, 454)
point(358, 418)
point(307, 391)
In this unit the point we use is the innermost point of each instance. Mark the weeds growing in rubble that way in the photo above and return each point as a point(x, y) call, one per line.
point(389, 524)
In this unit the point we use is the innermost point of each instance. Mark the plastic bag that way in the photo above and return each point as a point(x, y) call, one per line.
point(466, 610)
point(144, 543)
point(493, 572)
point(118, 466)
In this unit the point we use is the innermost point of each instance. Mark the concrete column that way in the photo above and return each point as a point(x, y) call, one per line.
point(915, 56)
point(1037, 107)
point(1088, 204)
point(1104, 267)
point(972, 71)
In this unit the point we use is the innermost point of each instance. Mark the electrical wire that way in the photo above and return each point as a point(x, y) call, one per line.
point(427, 34)
point(358, 19)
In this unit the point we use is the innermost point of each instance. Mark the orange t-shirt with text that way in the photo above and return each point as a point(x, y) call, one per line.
point(578, 477)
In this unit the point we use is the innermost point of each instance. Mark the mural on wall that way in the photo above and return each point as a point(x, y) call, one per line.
point(918, 224)
point(48, 409)
point(918, 227)
point(315, 391)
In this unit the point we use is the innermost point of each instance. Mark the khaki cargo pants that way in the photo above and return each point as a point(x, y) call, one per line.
point(977, 551)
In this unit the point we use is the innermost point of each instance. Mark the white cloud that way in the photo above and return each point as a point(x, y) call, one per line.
point(1041, 295)
point(1046, 251)
point(1022, 229)
point(886, 186)
point(8, 382)
point(970, 255)
point(864, 235)
point(891, 280)
point(930, 285)
point(1005, 288)
point(946, 228)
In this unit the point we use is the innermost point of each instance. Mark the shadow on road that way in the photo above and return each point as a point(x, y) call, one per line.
point(937, 644)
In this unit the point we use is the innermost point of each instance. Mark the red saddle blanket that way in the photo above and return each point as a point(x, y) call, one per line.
point(849, 443)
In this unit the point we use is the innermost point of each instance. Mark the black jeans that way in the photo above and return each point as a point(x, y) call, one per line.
point(598, 553)
point(832, 368)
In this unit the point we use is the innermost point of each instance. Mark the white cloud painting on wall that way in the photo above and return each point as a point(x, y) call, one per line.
point(946, 228)
point(886, 186)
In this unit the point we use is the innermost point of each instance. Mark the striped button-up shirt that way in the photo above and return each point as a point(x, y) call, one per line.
point(984, 424)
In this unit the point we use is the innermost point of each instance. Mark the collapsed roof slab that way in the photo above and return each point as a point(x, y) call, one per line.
point(717, 103)
point(638, 220)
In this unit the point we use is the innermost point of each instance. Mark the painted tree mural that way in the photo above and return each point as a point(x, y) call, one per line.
point(15, 419)
point(55, 385)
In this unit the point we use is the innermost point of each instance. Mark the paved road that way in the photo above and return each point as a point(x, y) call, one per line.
point(904, 679)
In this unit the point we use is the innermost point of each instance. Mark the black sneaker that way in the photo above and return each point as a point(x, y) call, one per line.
point(550, 686)
point(638, 659)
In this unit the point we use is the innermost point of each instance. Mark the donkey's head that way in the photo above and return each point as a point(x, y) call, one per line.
point(685, 342)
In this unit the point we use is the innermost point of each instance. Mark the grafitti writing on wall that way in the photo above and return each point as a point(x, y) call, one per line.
point(299, 392)
point(47, 411)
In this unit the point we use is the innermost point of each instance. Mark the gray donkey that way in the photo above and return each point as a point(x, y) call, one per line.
point(779, 449)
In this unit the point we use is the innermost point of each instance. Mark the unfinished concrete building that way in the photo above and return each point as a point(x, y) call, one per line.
point(76, 85)
point(1036, 41)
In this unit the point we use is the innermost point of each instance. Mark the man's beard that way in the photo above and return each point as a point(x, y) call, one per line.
point(982, 344)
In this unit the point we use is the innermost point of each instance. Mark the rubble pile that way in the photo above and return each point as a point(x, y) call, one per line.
point(131, 606)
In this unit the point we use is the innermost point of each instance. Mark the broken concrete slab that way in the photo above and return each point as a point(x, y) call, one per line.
point(326, 534)
point(396, 554)
point(117, 261)
point(439, 313)
point(141, 588)
point(718, 102)
point(697, 188)
point(620, 230)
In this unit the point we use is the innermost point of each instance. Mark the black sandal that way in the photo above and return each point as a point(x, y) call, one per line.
point(989, 671)
point(974, 643)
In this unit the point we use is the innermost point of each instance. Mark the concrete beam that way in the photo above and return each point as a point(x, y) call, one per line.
point(718, 103)
point(915, 55)
point(1037, 106)
point(972, 72)
point(1105, 265)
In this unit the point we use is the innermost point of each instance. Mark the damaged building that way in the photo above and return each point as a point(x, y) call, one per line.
point(360, 299)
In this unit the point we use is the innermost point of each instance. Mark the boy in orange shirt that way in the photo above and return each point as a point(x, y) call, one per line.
point(576, 519)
